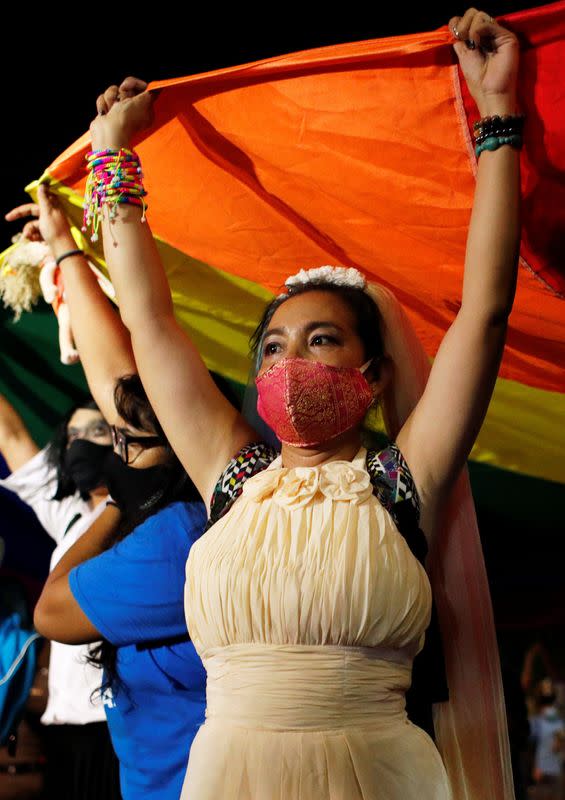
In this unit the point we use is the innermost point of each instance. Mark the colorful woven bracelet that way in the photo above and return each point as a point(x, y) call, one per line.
point(115, 178)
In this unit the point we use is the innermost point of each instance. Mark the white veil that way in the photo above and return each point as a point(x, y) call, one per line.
point(471, 729)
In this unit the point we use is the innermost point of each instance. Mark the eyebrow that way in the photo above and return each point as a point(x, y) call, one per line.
point(79, 428)
point(310, 327)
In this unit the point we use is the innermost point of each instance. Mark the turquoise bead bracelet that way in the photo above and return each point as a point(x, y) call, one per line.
point(494, 142)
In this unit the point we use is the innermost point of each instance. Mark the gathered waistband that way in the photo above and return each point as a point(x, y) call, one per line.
point(300, 687)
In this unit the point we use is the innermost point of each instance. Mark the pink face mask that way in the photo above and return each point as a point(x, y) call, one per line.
point(306, 402)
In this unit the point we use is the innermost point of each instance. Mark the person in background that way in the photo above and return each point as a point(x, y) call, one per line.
point(64, 485)
point(127, 587)
point(547, 730)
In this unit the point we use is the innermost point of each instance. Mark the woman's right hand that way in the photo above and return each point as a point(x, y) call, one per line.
point(49, 224)
point(488, 54)
point(123, 111)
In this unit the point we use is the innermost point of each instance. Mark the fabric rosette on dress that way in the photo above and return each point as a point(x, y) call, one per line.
point(295, 488)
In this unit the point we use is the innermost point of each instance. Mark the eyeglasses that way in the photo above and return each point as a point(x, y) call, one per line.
point(122, 442)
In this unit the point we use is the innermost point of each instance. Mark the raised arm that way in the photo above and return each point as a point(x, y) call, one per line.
point(16, 443)
point(204, 429)
point(438, 436)
point(101, 337)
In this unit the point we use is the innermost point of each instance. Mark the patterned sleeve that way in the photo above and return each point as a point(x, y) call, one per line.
point(392, 479)
point(251, 459)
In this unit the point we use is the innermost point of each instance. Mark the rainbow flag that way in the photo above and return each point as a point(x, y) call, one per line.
point(358, 154)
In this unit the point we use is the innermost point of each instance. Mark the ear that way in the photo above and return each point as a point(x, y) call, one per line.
point(379, 375)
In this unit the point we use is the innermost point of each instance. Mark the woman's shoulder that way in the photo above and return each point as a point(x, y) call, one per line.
point(181, 520)
point(35, 483)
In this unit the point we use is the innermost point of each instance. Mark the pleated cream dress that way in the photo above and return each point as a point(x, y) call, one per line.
point(307, 608)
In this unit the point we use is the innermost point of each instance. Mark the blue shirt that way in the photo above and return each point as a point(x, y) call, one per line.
point(133, 594)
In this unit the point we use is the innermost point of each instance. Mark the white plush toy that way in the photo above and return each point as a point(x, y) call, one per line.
point(53, 290)
point(19, 274)
point(27, 270)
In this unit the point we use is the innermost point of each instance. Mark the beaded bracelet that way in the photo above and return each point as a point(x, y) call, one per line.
point(496, 123)
point(494, 142)
point(507, 130)
point(115, 178)
point(492, 132)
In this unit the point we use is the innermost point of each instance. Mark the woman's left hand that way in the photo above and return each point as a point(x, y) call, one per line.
point(488, 55)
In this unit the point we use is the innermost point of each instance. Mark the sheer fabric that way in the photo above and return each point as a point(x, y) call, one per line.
point(471, 729)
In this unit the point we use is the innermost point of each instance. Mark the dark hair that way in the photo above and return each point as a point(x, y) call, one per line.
point(364, 309)
point(133, 406)
point(55, 453)
point(545, 700)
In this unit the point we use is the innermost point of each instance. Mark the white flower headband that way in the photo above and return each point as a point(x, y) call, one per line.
point(338, 276)
point(347, 277)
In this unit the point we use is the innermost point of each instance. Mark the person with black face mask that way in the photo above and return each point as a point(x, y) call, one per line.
point(65, 485)
point(136, 489)
point(84, 461)
point(105, 352)
point(127, 586)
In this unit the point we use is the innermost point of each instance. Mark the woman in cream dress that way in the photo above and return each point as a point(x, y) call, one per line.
point(303, 599)
point(307, 608)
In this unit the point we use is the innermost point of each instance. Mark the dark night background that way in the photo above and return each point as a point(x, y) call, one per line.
point(57, 66)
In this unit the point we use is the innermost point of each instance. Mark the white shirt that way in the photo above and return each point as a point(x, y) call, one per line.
point(71, 680)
